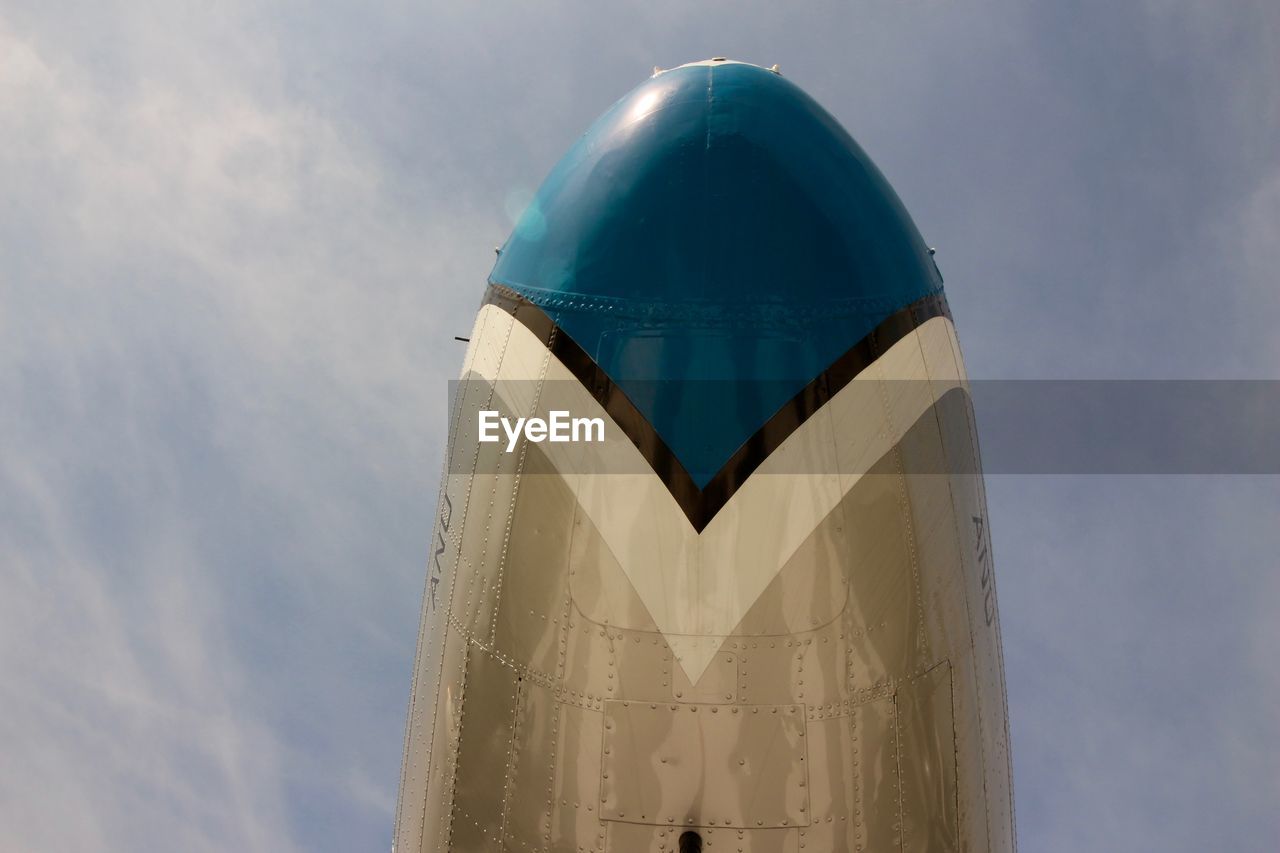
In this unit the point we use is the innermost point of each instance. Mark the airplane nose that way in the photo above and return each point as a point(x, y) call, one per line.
point(716, 226)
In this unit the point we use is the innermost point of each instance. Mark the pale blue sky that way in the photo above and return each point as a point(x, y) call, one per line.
point(236, 241)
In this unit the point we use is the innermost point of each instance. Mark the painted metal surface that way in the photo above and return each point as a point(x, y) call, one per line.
point(815, 666)
point(748, 770)
point(716, 223)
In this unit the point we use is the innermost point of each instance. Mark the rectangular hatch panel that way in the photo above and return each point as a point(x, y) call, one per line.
point(704, 765)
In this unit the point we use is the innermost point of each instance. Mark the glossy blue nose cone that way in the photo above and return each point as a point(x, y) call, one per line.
point(714, 241)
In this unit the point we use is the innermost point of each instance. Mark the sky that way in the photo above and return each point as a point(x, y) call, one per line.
point(237, 239)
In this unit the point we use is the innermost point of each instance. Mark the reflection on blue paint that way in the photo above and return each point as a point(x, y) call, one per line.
point(716, 223)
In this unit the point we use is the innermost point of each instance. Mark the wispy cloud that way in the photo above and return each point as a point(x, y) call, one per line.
point(216, 351)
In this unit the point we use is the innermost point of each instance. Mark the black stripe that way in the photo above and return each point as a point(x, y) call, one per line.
point(701, 505)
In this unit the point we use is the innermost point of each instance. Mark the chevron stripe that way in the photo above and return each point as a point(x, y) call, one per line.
point(698, 584)
point(700, 505)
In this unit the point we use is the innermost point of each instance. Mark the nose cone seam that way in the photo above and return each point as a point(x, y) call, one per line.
point(719, 183)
